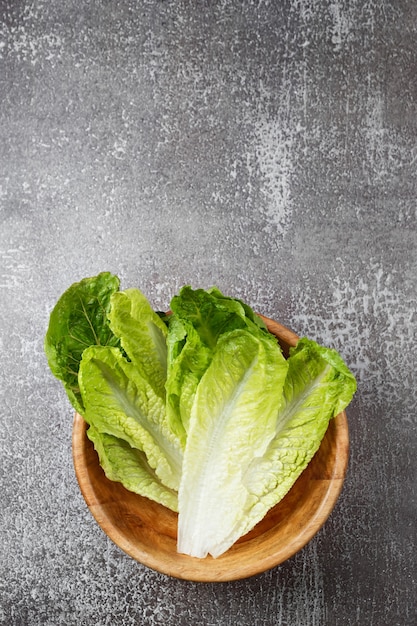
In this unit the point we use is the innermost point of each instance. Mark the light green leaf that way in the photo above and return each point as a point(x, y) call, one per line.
point(129, 466)
point(232, 420)
point(200, 318)
point(120, 402)
point(210, 313)
point(317, 388)
point(188, 358)
point(142, 334)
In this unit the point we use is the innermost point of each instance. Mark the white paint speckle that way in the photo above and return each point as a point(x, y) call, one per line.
point(274, 154)
point(358, 311)
point(341, 24)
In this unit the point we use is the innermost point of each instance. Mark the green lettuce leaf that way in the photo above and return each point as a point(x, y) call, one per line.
point(233, 419)
point(142, 334)
point(129, 466)
point(119, 401)
point(188, 359)
point(318, 387)
point(209, 312)
point(79, 320)
point(200, 318)
point(240, 307)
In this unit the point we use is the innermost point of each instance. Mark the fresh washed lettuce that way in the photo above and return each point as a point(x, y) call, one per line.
point(142, 335)
point(318, 386)
point(79, 320)
point(232, 420)
point(119, 401)
point(109, 350)
point(188, 358)
point(196, 409)
point(129, 466)
point(200, 318)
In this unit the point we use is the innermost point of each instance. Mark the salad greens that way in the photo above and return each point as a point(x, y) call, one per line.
point(130, 466)
point(79, 320)
point(200, 318)
point(119, 401)
point(197, 409)
point(232, 421)
point(141, 331)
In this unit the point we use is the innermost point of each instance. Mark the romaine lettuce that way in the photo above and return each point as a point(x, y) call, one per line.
point(188, 358)
point(200, 317)
point(232, 421)
point(142, 335)
point(122, 463)
point(79, 320)
point(97, 334)
point(119, 401)
point(233, 475)
point(318, 387)
point(198, 409)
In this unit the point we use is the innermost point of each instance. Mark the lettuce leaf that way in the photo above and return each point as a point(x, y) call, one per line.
point(188, 359)
point(317, 387)
point(232, 420)
point(78, 320)
point(120, 402)
point(142, 335)
point(210, 313)
point(129, 466)
point(200, 318)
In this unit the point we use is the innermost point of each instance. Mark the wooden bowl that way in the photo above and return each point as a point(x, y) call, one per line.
point(147, 531)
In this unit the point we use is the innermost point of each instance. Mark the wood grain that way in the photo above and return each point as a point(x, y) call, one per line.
point(147, 531)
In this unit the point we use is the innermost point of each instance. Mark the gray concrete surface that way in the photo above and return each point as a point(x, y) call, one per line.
point(265, 147)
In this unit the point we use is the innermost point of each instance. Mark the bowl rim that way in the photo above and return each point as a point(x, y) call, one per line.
point(236, 563)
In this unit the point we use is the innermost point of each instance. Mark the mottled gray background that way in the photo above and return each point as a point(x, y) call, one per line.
point(265, 147)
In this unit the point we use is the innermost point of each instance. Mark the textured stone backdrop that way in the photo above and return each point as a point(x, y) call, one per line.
point(268, 148)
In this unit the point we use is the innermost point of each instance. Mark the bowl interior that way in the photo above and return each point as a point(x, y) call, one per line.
point(147, 531)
